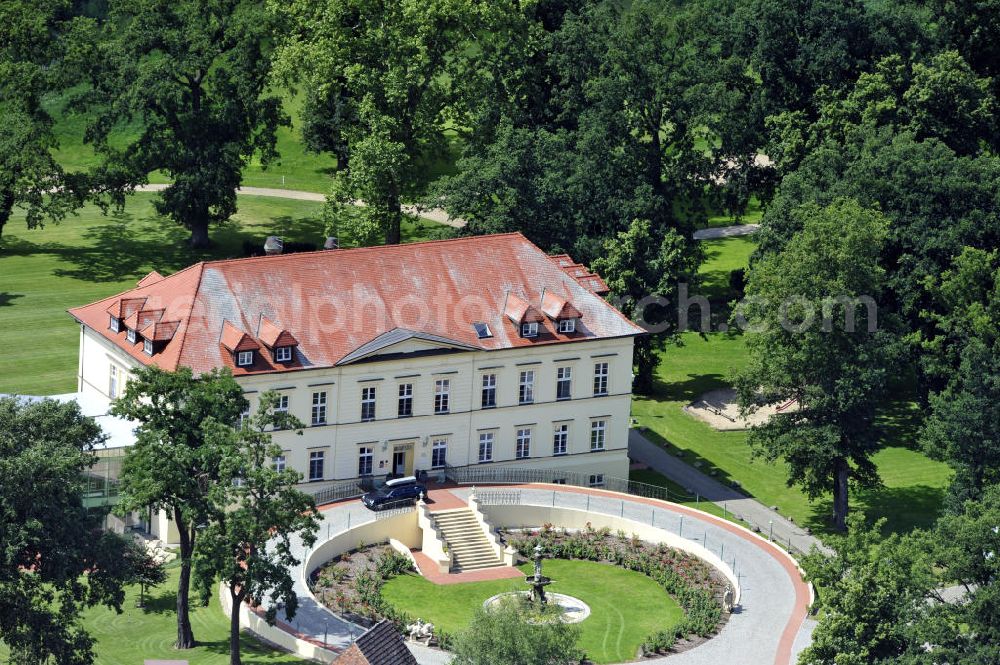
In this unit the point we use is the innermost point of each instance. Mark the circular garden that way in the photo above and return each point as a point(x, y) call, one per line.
point(644, 598)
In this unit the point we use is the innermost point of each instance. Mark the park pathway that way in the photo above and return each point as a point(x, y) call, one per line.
point(750, 510)
point(768, 627)
point(438, 215)
point(726, 231)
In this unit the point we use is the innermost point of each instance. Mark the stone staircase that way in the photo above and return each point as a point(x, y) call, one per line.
point(469, 547)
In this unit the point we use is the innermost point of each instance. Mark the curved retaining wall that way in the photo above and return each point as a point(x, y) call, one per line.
point(533, 516)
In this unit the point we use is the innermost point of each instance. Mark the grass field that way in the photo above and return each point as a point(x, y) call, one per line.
point(612, 633)
point(138, 634)
point(91, 256)
point(913, 484)
point(722, 257)
point(296, 168)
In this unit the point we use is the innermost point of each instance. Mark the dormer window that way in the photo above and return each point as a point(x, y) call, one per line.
point(283, 354)
point(114, 324)
point(244, 358)
point(529, 329)
point(147, 346)
point(130, 335)
point(567, 326)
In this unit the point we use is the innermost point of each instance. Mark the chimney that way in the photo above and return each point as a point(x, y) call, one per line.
point(273, 245)
point(331, 243)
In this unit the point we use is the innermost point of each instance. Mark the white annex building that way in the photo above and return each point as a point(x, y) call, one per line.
point(480, 352)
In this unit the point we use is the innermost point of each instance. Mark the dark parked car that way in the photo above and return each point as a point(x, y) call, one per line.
point(396, 492)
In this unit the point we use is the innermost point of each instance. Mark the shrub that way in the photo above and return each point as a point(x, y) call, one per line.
point(391, 563)
point(659, 642)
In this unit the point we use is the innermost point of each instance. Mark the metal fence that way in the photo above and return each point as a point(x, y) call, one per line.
point(468, 475)
point(344, 489)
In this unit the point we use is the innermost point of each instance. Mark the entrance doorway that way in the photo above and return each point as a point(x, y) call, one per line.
point(399, 463)
point(402, 459)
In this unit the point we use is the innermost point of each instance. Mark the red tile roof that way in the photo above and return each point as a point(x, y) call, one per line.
point(151, 278)
point(235, 339)
point(272, 336)
point(520, 311)
point(558, 308)
point(334, 302)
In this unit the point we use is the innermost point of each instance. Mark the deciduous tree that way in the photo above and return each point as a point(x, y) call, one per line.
point(249, 545)
point(32, 49)
point(175, 463)
point(506, 634)
point(378, 75)
point(818, 335)
point(644, 268)
point(191, 78)
point(55, 559)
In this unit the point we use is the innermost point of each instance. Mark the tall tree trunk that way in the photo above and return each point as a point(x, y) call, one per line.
point(185, 636)
point(6, 208)
point(199, 233)
point(234, 627)
point(841, 473)
point(393, 234)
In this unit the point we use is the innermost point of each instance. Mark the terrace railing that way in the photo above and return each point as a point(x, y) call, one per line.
point(488, 475)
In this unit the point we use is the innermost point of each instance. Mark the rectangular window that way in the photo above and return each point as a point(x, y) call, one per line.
point(113, 381)
point(560, 439)
point(485, 447)
point(368, 403)
point(439, 453)
point(243, 417)
point(567, 325)
point(365, 456)
point(114, 323)
point(596, 480)
point(319, 408)
point(244, 358)
point(522, 448)
point(526, 387)
point(564, 381)
point(130, 335)
point(278, 463)
point(489, 391)
point(405, 406)
point(283, 354)
point(282, 403)
point(598, 429)
point(316, 459)
point(147, 346)
point(482, 330)
point(529, 329)
point(601, 379)
point(442, 390)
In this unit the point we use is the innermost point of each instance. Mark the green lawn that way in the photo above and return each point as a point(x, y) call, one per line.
point(91, 256)
point(295, 169)
point(138, 634)
point(722, 257)
point(612, 633)
point(914, 484)
point(752, 216)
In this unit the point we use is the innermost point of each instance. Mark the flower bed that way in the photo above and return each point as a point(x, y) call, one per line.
point(693, 583)
point(351, 584)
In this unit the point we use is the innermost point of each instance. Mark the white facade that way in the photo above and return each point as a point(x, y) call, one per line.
point(338, 443)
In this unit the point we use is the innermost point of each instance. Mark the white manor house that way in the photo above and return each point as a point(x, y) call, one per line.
point(473, 353)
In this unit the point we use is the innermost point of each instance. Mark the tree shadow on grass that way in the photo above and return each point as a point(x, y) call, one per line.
point(7, 299)
point(904, 508)
point(686, 391)
point(164, 602)
point(126, 247)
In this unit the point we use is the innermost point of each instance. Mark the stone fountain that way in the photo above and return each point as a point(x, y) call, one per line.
point(567, 608)
point(538, 581)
